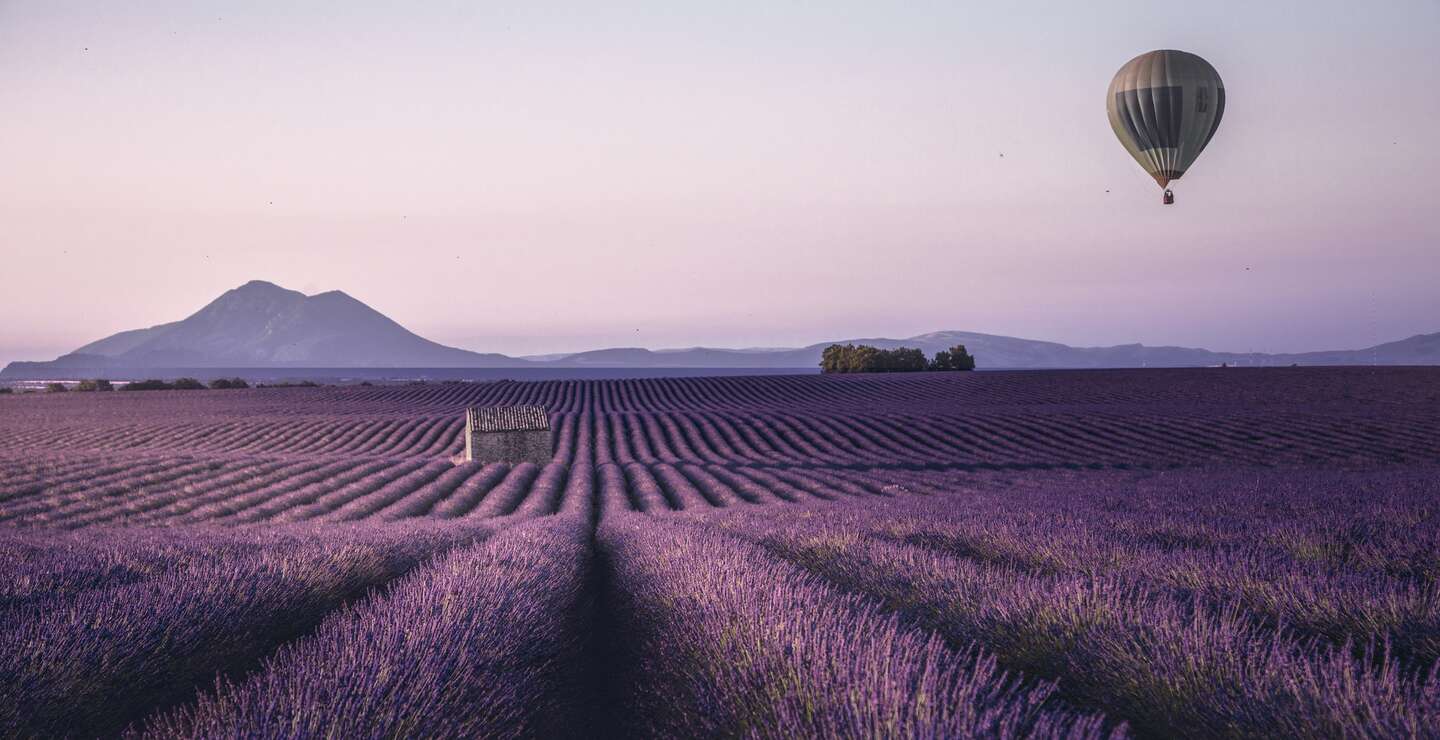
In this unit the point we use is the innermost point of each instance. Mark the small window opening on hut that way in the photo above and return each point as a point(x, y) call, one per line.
point(509, 434)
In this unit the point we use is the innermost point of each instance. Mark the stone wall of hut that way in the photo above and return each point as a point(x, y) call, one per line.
point(509, 447)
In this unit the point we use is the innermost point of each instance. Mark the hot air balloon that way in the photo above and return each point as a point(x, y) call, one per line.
point(1165, 107)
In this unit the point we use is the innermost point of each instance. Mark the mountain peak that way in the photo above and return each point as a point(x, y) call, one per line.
point(259, 291)
point(261, 285)
point(254, 297)
point(261, 324)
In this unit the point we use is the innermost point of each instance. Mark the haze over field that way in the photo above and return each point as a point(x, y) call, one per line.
point(556, 178)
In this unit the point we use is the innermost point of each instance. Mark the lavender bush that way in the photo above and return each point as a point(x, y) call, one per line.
point(483, 643)
point(87, 661)
point(1171, 664)
point(1187, 553)
point(724, 641)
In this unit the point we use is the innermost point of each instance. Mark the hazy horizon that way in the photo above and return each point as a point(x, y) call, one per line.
point(558, 178)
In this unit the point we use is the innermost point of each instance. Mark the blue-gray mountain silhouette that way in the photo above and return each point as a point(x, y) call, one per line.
point(261, 325)
point(998, 352)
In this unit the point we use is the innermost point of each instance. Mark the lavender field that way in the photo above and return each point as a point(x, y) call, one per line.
point(1147, 553)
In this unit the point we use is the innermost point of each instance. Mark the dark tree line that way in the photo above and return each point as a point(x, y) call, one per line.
point(183, 384)
point(101, 385)
point(955, 358)
point(179, 384)
point(862, 358)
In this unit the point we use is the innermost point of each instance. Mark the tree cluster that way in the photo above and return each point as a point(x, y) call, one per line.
point(862, 358)
point(180, 384)
point(96, 385)
point(955, 358)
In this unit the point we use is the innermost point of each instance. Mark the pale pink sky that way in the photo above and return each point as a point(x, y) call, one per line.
point(528, 177)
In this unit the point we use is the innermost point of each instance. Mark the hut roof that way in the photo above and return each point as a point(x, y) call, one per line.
point(507, 418)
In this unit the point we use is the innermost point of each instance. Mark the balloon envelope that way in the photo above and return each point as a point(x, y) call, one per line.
point(1165, 106)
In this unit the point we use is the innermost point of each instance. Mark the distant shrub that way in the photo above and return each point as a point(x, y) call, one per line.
point(55, 388)
point(862, 358)
point(187, 384)
point(147, 385)
point(301, 384)
point(6, 391)
point(902, 360)
point(955, 358)
point(92, 386)
point(223, 384)
point(849, 358)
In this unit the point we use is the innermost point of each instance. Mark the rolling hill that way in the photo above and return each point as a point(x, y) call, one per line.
point(997, 352)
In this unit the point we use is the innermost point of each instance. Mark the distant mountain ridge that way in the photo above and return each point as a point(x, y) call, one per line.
point(999, 352)
point(262, 325)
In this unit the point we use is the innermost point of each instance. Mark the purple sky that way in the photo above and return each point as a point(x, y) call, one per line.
point(525, 178)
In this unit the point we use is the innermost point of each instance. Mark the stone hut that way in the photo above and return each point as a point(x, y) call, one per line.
point(510, 434)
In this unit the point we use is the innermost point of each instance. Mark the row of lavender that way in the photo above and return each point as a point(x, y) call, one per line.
point(99, 632)
point(1180, 605)
point(172, 491)
point(543, 628)
point(1304, 416)
point(1011, 603)
point(926, 391)
point(780, 436)
point(71, 493)
point(1188, 605)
